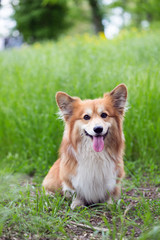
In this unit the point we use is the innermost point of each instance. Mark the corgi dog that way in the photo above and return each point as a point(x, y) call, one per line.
point(90, 164)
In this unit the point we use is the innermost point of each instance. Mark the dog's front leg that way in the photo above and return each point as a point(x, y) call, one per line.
point(77, 202)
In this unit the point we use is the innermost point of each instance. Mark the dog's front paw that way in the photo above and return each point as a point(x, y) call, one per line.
point(77, 203)
point(110, 201)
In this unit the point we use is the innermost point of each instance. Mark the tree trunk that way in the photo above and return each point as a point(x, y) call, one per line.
point(97, 16)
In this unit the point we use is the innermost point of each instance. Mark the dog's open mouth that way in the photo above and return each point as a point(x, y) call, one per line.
point(98, 141)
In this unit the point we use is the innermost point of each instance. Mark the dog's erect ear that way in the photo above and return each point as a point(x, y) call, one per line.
point(119, 97)
point(65, 104)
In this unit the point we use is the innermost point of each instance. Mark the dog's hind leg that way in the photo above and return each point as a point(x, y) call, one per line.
point(52, 182)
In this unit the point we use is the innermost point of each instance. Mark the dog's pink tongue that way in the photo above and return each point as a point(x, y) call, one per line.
point(98, 143)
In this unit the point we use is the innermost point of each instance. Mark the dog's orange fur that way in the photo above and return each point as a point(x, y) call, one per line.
point(73, 110)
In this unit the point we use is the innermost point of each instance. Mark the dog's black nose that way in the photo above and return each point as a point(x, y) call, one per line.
point(98, 129)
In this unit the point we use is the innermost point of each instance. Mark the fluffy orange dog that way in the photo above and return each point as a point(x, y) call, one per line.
point(90, 161)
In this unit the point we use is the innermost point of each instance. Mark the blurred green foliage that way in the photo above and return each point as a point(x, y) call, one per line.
point(48, 19)
point(38, 20)
point(140, 10)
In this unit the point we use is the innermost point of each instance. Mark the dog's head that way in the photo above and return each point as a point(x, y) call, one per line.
point(98, 119)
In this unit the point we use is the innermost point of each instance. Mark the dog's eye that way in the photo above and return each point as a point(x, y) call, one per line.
point(86, 117)
point(103, 115)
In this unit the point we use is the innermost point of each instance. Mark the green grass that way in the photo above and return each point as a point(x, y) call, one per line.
point(30, 133)
point(27, 213)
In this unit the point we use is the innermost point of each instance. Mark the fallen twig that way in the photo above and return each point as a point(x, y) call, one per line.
point(127, 209)
point(99, 229)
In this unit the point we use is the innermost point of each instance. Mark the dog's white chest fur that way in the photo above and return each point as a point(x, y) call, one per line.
point(96, 173)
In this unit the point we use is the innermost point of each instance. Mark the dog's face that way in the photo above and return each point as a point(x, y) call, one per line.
point(94, 119)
